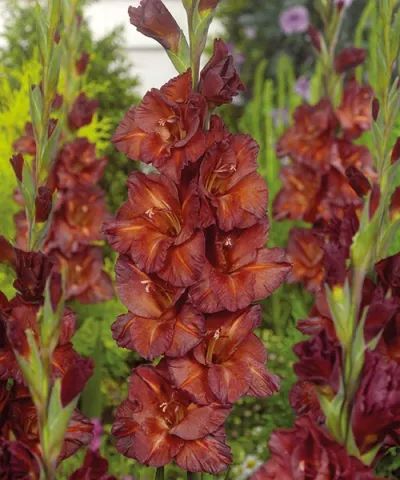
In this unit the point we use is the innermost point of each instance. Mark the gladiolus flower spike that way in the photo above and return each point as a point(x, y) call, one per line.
point(192, 262)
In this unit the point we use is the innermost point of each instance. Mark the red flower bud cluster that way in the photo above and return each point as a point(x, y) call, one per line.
point(80, 207)
point(19, 434)
point(191, 240)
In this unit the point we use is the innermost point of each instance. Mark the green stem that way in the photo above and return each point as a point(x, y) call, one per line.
point(159, 474)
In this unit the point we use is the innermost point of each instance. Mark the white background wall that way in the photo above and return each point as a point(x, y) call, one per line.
point(150, 63)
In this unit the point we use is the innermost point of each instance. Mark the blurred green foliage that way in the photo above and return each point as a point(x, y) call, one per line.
point(109, 72)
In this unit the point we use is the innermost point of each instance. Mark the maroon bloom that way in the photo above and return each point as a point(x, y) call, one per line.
point(179, 329)
point(153, 19)
point(307, 451)
point(158, 424)
point(350, 57)
point(78, 220)
point(228, 363)
point(303, 398)
point(388, 271)
point(82, 64)
point(238, 270)
point(156, 227)
point(17, 461)
point(165, 130)
point(94, 467)
point(77, 164)
point(82, 112)
point(219, 82)
point(229, 180)
point(43, 204)
point(377, 406)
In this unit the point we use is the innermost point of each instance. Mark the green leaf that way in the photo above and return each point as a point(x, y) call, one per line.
point(53, 70)
point(42, 30)
point(36, 109)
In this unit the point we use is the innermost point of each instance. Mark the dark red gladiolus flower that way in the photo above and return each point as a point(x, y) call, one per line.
point(21, 424)
point(309, 140)
point(82, 64)
point(77, 164)
point(355, 111)
point(17, 162)
point(145, 295)
point(334, 264)
point(300, 196)
point(304, 400)
point(320, 362)
point(238, 270)
point(94, 467)
point(350, 57)
point(32, 270)
point(394, 207)
point(75, 378)
point(82, 112)
point(158, 424)
point(229, 179)
point(306, 255)
point(78, 220)
point(86, 281)
point(308, 452)
point(219, 81)
point(153, 19)
point(17, 461)
point(228, 363)
point(377, 406)
point(7, 252)
point(156, 227)
point(358, 181)
point(26, 144)
point(388, 271)
point(43, 204)
point(165, 130)
point(177, 331)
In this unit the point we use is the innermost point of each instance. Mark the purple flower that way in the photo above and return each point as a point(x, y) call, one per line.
point(302, 87)
point(250, 32)
point(97, 433)
point(294, 20)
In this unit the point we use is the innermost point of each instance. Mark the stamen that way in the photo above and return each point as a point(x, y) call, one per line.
point(162, 122)
point(302, 466)
point(164, 406)
point(84, 208)
point(217, 333)
point(150, 212)
point(228, 242)
point(147, 283)
point(166, 204)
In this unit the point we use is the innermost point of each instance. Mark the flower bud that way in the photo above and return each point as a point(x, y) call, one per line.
point(43, 204)
point(205, 6)
point(394, 208)
point(17, 163)
point(153, 19)
point(349, 58)
point(396, 151)
point(75, 379)
point(358, 181)
point(315, 37)
point(81, 64)
point(82, 112)
point(375, 109)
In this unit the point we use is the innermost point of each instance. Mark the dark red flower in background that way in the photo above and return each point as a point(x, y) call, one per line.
point(309, 141)
point(350, 57)
point(355, 111)
point(153, 19)
point(77, 164)
point(87, 282)
point(26, 144)
point(228, 363)
point(165, 130)
point(82, 112)
point(17, 461)
point(219, 82)
point(307, 451)
point(377, 405)
point(158, 424)
point(388, 271)
point(303, 398)
point(82, 64)
point(21, 424)
point(306, 255)
point(94, 467)
point(78, 219)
